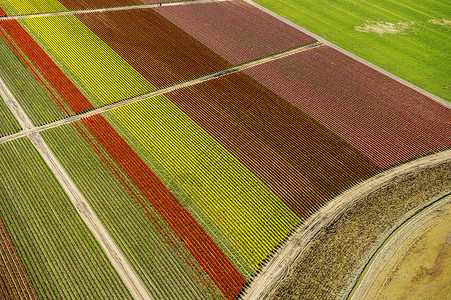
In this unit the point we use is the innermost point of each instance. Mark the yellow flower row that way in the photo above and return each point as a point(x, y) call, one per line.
point(107, 75)
point(247, 212)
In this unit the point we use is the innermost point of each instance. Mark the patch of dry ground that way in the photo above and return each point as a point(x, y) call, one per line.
point(324, 258)
point(416, 262)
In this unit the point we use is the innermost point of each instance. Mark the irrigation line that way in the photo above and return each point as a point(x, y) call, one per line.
point(106, 108)
point(98, 10)
point(359, 59)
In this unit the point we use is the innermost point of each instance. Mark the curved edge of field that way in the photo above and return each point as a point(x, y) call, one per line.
point(414, 260)
point(279, 270)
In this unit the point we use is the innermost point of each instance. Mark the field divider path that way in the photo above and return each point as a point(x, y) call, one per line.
point(282, 263)
point(357, 58)
point(136, 287)
point(116, 8)
point(106, 108)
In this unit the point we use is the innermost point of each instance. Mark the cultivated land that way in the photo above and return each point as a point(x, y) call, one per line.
point(201, 144)
point(327, 255)
point(408, 38)
point(415, 262)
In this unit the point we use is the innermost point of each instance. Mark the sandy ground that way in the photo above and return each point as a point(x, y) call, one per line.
point(416, 261)
point(283, 263)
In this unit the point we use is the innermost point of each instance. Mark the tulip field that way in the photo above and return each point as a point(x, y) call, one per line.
point(198, 180)
point(9, 124)
point(24, 7)
point(61, 258)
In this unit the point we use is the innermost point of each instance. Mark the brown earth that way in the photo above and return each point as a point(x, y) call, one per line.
point(325, 257)
point(416, 262)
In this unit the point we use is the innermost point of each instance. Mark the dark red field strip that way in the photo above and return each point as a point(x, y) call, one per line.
point(300, 160)
point(384, 119)
point(202, 247)
point(67, 90)
point(14, 280)
point(194, 268)
point(236, 30)
point(85, 4)
point(156, 48)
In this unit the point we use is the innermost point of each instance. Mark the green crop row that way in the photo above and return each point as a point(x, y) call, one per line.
point(60, 254)
point(163, 263)
point(26, 89)
point(8, 124)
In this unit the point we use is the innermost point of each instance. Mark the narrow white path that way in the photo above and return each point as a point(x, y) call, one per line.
point(135, 286)
point(282, 263)
point(102, 109)
point(116, 8)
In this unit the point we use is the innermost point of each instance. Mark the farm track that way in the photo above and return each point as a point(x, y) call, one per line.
point(32, 129)
point(98, 10)
point(118, 260)
point(283, 262)
point(422, 221)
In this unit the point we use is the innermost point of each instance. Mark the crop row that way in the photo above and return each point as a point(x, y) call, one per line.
point(185, 227)
point(252, 218)
point(8, 124)
point(16, 283)
point(236, 30)
point(44, 69)
point(26, 89)
point(384, 119)
point(162, 260)
point(159, 50)
point(60, 254)
point(300, 160)
point(94, 64)
point(19, 7)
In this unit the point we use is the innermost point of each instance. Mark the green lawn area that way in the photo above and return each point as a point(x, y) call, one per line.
point(419, 51)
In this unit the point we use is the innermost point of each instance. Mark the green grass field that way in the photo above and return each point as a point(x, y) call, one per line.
point(411, 39)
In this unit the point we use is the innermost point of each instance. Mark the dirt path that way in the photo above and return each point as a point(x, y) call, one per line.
point(136, 287)
point(402, 253)
point(97, 10)
point(32, 129)
point(283, 262)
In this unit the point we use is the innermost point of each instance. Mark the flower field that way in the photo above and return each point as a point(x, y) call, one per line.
point(16, 283)
point(160, 51)
point(235, 30)
point(23, 7)
point(200, 182)
point(387, 121)
point(26, 88)
point(8, 124)
point(61, 257)
point(286, 149)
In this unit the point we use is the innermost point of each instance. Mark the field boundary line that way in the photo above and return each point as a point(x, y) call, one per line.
point(108, 107)
point(399, 230)
point(358, 58)
point(135, 286)
point(281, 262)
point(115, 8)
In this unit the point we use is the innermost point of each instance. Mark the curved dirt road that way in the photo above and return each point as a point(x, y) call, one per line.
point(283, 263)
point(414, 262)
